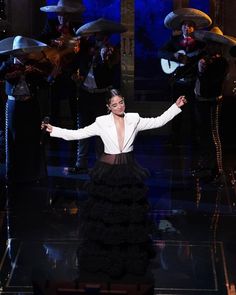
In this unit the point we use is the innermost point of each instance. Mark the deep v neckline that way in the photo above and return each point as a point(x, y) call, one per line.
point(120, 132)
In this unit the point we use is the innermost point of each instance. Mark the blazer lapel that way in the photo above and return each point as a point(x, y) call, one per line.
point(129, 130)
point(112, 130)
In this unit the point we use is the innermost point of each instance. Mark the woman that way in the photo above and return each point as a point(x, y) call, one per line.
point(115, 232)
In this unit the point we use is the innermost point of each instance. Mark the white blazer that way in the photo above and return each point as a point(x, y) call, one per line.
point(104, 127)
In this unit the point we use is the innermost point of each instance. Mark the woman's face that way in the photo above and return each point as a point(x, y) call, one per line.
point(117, 105)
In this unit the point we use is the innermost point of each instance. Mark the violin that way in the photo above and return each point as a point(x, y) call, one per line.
point(34, 64)
point(62, 53)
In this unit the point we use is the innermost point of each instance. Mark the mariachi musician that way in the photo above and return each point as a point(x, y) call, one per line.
point(5, 31)
point(62, 54)
point(179, 58)
point(213, 68)
point(23, 77)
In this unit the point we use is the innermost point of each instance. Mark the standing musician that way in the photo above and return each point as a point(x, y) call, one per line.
point(62, 54)
point(213, 68)
point(180, 55)
point(23, 79)
point(5, 31)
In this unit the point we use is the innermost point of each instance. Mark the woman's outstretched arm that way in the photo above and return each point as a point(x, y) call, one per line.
point(69, 134)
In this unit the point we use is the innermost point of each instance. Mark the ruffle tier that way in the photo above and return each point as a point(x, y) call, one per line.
point(116, 261)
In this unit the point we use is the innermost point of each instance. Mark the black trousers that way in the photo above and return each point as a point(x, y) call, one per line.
point(25, 161)
point(208, 127)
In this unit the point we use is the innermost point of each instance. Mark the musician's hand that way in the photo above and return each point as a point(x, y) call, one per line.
point(58, 42)
point(32, 69)
point(106, 53)
point(180, 57)
point(181, 101)
point(47, 127)
point(202, 65)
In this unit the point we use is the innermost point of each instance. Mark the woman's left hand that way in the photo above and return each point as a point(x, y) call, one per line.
point(181, 101)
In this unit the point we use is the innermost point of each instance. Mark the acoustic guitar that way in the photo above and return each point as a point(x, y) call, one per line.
point(169, 66)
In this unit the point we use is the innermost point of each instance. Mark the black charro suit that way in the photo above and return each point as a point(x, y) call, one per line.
point(182, 82)
point(24, 153)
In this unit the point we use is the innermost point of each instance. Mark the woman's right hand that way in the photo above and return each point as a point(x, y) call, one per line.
point(47, 127)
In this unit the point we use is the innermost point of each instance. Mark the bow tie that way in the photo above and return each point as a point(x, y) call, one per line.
point(188, 42)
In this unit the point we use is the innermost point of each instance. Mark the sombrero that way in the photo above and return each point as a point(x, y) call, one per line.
point(174, 19)
point(101, 25)
point(18, 45)
point(65, 6)
point(216, 35)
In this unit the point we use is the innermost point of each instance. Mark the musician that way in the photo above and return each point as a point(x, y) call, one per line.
point(2, 116)
point(63, 88)
point(213, 68)
point(185, 50)
point(23, 79)
point(98, 72)
point(5, 31)
point(66, 11)
point(59, 33)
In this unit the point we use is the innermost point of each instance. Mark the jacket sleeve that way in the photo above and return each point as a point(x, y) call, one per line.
point(68, 134)
point(151, 123)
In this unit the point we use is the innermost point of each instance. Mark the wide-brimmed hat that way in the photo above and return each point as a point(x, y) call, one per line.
point(65, 6)
point(216, 35)
point(101, 25)
point(174, 19)
point(18, 45)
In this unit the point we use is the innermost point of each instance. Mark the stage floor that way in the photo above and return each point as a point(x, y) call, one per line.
point(195, 242)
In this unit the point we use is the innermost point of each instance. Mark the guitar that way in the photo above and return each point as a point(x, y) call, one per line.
point(169, 66)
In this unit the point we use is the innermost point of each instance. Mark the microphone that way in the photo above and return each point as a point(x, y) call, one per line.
point(46, 120)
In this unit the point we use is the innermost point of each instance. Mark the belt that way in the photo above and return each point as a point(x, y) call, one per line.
point(96, 90)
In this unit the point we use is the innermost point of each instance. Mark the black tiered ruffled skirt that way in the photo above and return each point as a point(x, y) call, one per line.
point(115, 230)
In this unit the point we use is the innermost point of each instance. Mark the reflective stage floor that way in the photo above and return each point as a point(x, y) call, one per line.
point(195, 242)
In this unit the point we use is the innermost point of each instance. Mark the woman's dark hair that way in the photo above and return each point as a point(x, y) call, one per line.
point(111, 93)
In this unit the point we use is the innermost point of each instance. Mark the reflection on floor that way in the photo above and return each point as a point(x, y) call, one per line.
point(195, 241)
